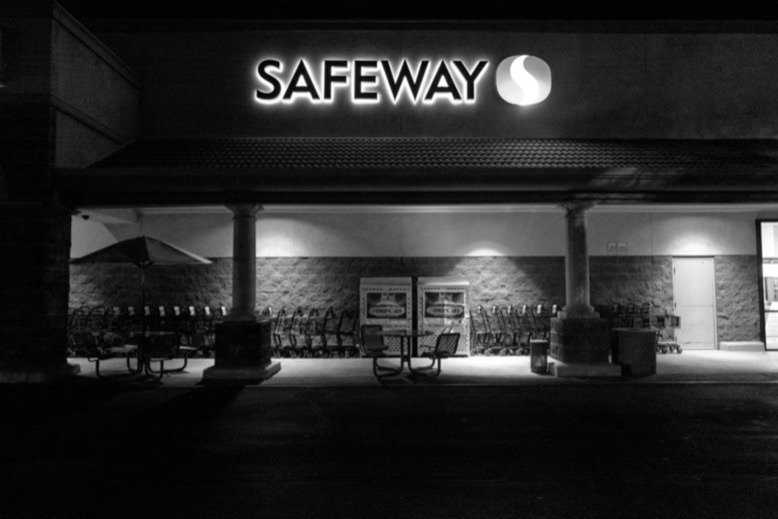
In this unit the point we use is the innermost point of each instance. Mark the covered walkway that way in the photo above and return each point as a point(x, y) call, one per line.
point(688, 367)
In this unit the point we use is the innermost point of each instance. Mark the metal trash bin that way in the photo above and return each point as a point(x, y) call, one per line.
point(538, 356)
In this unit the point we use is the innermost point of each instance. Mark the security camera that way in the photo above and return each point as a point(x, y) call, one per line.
point(85, 216)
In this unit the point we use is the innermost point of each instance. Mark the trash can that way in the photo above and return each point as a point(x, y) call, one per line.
point(538, 356)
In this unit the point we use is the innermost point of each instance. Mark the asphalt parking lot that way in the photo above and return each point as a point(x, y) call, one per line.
point(88, 449)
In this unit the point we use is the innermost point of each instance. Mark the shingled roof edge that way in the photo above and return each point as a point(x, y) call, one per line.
point(449, 152)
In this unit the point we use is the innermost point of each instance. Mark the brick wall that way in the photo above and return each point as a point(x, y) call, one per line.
point(324, 282)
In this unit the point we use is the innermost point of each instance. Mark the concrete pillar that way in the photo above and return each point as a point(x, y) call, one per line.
point(34, 281)
point(244, 262)
point(580, 340)
point(577, 263)
point(243, 343)
point(5, 194)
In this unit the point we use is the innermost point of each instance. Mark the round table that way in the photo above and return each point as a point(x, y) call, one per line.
point(405, 335)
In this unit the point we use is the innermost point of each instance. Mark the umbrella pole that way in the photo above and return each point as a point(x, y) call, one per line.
point(143, 301)
point(142, 340)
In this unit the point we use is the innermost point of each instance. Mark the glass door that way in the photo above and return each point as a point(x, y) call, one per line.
point(768, 250)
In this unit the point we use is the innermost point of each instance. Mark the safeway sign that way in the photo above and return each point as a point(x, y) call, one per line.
point(520, 80)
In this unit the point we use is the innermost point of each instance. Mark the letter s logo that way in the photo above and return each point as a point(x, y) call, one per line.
point(523, 80)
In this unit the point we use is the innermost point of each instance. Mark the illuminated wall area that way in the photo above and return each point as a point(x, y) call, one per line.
point(316, 259)
point(431, 232)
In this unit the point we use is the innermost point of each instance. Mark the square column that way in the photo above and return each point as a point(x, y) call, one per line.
point(243, 344)
point(244, 263)
point(577, 264)
point(34, 274)
point(580, 340)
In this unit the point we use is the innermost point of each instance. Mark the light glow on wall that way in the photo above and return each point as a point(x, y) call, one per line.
point(694, 243)
point(487, 249)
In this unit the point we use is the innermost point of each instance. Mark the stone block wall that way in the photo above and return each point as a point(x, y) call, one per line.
point(636, 279)
point(737, 298)
point(323, 282)
point(316, 282)
point(120, 284)
point(641, 279)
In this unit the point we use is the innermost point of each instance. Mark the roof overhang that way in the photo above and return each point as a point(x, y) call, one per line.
point(427, 171)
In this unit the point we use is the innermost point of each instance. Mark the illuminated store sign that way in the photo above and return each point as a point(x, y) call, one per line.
point(520, 80)
point(523, 80)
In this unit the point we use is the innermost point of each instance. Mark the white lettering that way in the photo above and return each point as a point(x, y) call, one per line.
point(368, 81)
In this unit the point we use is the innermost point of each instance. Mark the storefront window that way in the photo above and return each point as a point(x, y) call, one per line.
point(769, 259)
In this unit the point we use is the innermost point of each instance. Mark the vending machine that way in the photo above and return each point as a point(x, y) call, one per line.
point(387, 301)
point(442, 303)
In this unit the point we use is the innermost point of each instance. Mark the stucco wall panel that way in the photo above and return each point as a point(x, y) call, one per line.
point(92, 82)
point(712, 85)
point(608, 85)
point(365, 234)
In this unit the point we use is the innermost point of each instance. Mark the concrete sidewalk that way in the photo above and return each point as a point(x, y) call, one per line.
point(688, 367)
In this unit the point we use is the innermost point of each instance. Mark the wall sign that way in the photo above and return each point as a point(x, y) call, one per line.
point(520, 80)
point(523, 80)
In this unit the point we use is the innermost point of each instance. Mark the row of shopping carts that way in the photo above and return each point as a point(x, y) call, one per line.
point(627, 315)
point(508, 329)
point(315, 332)
point(295, 333)
point(113, 326)
point(645, 315)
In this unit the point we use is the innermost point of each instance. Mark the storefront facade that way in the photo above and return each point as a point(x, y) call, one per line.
point(414, 150)
point(313, 257)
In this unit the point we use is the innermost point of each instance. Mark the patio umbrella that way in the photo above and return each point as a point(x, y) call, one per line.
point(143, 252)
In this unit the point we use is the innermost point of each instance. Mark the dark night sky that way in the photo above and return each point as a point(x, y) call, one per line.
point(762, 10)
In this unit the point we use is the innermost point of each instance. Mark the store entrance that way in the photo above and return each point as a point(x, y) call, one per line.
point(768, 247)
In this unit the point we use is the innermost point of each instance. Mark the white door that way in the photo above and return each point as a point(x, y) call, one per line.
point(694, 294)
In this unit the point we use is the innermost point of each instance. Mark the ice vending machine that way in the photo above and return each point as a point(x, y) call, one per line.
point(442, 302)
point(387, 301)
